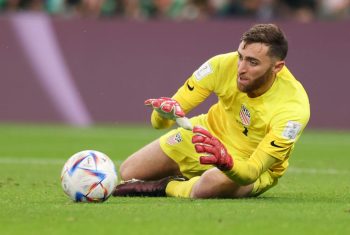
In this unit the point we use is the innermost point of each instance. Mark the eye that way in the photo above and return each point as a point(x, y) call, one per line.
point(240, 57)
point(253, 62)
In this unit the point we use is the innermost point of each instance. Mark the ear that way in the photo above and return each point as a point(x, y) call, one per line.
point(278, 66)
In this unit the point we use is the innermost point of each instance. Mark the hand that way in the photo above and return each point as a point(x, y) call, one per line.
point(216, 152)
point(167, 107)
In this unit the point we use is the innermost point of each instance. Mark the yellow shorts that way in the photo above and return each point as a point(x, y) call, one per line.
point(177, 144)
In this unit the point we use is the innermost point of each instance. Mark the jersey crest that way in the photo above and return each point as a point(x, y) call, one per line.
point(244, 114)
point(174, 139)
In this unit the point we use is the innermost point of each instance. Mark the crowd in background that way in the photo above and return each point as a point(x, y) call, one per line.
point(301, 10)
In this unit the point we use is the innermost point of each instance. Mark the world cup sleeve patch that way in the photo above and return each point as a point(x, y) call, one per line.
point(291, 130)
point(203, 71)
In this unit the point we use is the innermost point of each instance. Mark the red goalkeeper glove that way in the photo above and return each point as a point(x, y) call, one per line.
point(167, 107)
point(216, 152)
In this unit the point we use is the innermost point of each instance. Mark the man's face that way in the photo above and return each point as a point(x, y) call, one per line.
point(255, 68)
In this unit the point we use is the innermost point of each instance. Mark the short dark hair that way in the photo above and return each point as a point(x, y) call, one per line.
point(269, 34)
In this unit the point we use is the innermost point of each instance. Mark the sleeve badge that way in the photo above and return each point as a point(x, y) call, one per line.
point(292, 130)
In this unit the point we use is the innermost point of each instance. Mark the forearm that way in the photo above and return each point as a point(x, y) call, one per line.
point(245, 172)
point(189, 99)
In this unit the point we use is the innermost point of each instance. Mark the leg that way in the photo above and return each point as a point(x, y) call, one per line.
point(149, 163)
point(215, 184)
point(212, 184)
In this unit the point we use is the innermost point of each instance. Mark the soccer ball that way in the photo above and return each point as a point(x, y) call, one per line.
point(88, 176)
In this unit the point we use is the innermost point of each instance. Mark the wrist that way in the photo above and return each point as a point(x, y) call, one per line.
point(228, 165)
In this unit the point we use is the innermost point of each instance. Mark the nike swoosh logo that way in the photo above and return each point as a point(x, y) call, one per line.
point(275, 145)
point(190, 87)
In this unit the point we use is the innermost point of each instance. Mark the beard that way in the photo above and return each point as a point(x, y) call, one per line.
point(256, 83)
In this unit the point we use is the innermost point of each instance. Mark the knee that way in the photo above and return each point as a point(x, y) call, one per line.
point(198, 191)
point(213, 184)
point(124, 171)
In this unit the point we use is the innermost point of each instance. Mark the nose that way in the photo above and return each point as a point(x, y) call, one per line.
point(242, 68)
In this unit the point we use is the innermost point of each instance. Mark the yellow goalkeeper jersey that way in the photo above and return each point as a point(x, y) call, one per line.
point(271, 122)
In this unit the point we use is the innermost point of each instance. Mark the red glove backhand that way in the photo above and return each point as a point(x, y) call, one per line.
point(166, 107)
point(217, 153)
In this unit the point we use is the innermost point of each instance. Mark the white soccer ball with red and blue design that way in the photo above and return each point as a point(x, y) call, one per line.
point(89, 176)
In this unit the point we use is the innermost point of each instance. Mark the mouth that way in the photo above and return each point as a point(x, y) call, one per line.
point(243, 80)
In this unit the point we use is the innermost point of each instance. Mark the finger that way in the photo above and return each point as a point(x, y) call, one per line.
point(178, 111)
point(148, 102)
point(207, 160)
point(167, 107)
point(200, 139)
point(200, 148)
point(202, 131)
point(156, 103)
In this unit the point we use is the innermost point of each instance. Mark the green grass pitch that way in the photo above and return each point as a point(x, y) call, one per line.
point(312, 198)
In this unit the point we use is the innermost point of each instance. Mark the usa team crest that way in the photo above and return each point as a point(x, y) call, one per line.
point(174, 139)
point(244, 114)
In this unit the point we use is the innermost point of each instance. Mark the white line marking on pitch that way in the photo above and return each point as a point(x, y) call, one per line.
point(317, 171)
point(36, 161)
point(56, 161)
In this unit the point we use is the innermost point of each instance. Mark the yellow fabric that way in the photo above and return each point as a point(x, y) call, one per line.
point(263, 183)
point(177, 144)
point(247, 171)
point(189, 99)
point(250, 128)
point(158, 122)
point(180, 188)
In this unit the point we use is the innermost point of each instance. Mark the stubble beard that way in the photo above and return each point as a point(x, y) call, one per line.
point(257, 83)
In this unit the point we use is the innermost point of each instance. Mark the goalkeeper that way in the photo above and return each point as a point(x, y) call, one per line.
point(241, 146)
